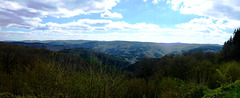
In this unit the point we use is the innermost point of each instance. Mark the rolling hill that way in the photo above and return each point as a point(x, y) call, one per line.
point(127, 50)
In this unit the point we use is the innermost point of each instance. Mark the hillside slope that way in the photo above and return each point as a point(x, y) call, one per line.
point(129, 51)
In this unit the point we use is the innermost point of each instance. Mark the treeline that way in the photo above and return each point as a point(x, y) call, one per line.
point(231, 48)
point(194, 74)
point(34, 72)
point(183, 75)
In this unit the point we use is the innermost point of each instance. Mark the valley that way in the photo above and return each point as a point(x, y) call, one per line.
point(129, 51)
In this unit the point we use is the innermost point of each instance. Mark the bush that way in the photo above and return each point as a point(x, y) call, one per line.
point(229, 91)
point(199, 92)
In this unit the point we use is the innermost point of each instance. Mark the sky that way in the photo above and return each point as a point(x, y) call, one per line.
point(164, 21)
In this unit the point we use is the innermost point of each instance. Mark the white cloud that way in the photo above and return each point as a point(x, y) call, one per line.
point(217, 17)
point(156, 1)
point(24, 13)
point(168, 2)
point(10, 5)
point(134, 27)
point(162, 35)
point(198, 24)
point(113, 15)
point(91, 25)
point(15, 32)
point(221, 9)
point(210, 31)
point(144, 0)
point(211, 23)
point(63, 8)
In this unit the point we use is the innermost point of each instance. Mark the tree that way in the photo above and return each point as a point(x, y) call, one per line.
point(231, 48)
point(145, 68)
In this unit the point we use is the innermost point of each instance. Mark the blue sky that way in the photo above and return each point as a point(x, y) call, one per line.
point(186, 21)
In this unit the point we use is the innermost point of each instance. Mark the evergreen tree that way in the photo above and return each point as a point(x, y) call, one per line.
point(231, 48)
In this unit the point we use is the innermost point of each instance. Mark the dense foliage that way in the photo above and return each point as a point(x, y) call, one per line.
point(34, 72)
point(231, 48)
point(98, 57)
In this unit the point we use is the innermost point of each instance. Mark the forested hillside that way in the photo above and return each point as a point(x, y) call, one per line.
point(34, 72)
point(102, 58)
point(129, 51)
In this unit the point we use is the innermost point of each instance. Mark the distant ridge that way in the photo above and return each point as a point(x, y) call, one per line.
point(131, 51)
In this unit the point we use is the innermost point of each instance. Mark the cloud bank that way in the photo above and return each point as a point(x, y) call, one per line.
point(113, 15)
point(24, 13)
point(215, 18)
